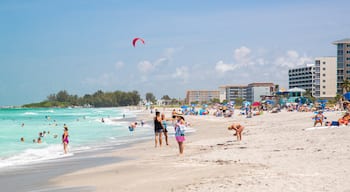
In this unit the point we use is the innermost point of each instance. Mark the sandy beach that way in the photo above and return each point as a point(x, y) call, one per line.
point(276, 154)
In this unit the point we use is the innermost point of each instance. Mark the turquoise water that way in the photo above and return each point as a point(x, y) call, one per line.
point(86, 132)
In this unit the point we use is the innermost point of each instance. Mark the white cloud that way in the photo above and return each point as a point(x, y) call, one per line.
point(223, 67)
point(181, 73)
point(145, 66)
point(148, 66)
point(292, 59)
point(242, 56)
point(160, 61)
point(119, 64)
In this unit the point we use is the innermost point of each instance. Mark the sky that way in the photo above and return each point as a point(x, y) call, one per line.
point(83, 46)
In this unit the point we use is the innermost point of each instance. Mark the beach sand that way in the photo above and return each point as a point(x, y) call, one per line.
point(276, 154)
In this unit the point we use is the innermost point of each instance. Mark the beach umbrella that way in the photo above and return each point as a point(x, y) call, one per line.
point(347, 96)
point(184, 107)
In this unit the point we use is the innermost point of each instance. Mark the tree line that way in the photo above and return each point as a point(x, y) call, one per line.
point(97, 99)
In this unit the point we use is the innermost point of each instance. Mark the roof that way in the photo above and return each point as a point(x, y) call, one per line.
point(260, 85)
point(342, 41)
point(228, 86)
point(296, 89)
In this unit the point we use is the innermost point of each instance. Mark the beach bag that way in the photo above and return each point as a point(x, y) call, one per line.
point(180, 130)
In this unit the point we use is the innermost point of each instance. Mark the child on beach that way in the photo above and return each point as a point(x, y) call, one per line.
point(180, 128)
point(238, 128)
point(164, 123)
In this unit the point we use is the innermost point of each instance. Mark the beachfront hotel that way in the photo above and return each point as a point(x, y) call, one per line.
point(201, 96)
point(319, 78)
point(302, 77)
point(343, 62)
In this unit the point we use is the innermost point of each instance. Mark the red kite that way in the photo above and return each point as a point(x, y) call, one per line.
point(137, 39)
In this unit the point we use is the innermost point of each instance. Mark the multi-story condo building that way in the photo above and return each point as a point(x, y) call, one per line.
point(302, 77)
point(201, 96)
point(233, 92)
point(343, 62)
point(325, 77)
point(319, 78)
point(256, 90)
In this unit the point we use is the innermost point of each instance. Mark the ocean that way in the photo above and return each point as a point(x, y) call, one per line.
point(87, 132)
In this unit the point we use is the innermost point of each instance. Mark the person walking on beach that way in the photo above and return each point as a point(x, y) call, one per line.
point(238, 128)
point(180, 128)
point(158, 129)
point(65, 140)
point(164, 123)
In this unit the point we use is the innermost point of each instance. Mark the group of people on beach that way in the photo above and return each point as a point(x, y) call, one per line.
point(180, 125)
point(160, 127)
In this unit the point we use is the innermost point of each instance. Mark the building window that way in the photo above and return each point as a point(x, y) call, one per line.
point(323, 87)
point(323, 68)
point(323, 93)
point(324, 63)
point(323, 81)
point(323, 74)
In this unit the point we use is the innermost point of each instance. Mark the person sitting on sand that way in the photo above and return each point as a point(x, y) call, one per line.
point(318, 118)
point(238, 128)
point(345, 119)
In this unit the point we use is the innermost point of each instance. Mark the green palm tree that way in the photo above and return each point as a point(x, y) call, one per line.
point(346, 86)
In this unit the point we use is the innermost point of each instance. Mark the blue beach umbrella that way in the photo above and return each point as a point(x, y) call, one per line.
point(347, 96)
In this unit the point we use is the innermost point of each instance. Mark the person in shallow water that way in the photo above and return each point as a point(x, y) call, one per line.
point(65, 140)
point(132, 126)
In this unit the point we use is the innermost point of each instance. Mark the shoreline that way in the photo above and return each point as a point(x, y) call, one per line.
point(276, 154)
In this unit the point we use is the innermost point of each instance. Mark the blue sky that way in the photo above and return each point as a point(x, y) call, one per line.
point(85, 45)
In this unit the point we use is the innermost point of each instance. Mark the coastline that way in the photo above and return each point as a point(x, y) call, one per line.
point(276, 154)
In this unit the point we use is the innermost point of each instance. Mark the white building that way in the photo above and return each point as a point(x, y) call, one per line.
point(256, 90)
point(325, 77)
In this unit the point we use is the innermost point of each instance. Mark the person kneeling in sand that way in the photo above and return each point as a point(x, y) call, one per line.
point(238, 128)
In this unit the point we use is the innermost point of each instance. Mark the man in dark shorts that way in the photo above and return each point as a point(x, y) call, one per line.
point(158, 129)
